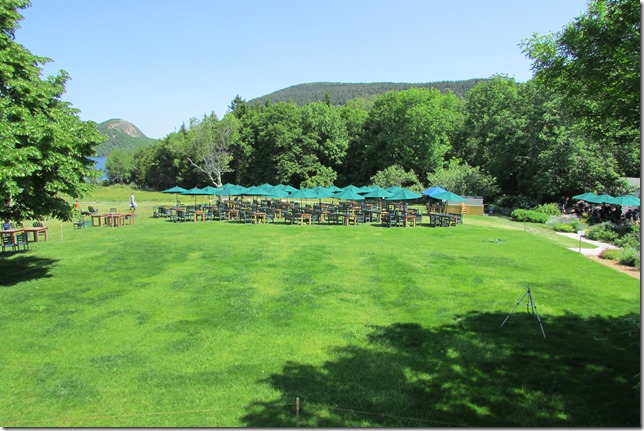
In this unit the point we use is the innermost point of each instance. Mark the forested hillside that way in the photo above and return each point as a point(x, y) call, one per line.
point(574, 127)
point(339, 93)
point(122, 135)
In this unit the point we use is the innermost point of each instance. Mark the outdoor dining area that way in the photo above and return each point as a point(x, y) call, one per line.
point(16, 235)
point(599, 208)
point(348, 206)
point(112, 218)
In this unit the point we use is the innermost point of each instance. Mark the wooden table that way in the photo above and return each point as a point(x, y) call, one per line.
point(199, 213)
point(115, 219)
point(130, 216)
point(36, 231)
point(348, 218)
point(13, 233)
point(303, 217)
point(231, 212)
point(98, 217)
point(409, 220)
point(259, 215)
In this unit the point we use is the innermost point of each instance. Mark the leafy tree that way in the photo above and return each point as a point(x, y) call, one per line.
point(119, 166)
point(354, 115)
point(44, 146)
point(211, 145)
point(395, 175)
point(463, 179)
point(562, 159)
point(288, 144)
point(594, 63)
point(492, 134)
point(410, 128)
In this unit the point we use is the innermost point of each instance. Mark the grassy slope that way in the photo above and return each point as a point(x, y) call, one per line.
point(228, 323)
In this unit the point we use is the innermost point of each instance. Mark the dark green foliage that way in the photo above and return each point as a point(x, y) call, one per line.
point(594, 63)
point(529, 215)
point(550, 209)
point(605, 232)
point(340, 93)
point(630, 257)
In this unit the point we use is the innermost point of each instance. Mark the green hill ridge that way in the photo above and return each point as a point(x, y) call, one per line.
point(340, 92)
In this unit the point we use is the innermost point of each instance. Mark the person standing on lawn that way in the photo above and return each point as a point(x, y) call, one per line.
point(132, 202)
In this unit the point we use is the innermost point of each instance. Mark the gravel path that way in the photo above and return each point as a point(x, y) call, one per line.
point(600, 246)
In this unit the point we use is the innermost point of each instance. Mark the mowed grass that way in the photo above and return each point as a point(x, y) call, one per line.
point(220, 324)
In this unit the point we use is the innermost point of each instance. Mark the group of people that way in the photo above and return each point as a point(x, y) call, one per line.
point(600, 213)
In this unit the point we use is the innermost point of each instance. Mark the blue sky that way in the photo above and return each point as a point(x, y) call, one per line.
point(158, 63)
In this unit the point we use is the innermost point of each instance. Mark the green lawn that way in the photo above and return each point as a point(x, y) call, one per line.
point(221, 324)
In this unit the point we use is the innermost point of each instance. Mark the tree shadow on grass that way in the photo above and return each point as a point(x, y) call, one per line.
point(24, 267)
point(469, 373)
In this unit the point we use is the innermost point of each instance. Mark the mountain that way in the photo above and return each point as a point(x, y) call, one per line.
point(121, 135)
point(340, 92)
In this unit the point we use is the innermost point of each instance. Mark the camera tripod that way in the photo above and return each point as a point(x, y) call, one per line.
point(531, 308)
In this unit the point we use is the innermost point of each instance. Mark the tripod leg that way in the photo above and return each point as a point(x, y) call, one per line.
point(515, 307)
point(536, 312)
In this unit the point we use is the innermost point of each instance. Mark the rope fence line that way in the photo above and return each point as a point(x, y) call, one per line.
point(397, 417)
point(11, 424)
point(297, 404)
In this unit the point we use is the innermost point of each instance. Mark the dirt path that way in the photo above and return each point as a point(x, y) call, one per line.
point(632, 271)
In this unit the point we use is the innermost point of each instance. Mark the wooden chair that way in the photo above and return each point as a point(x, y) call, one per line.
point(245, 216)
point(22, 240)
point(7, 241)
point(39, 224)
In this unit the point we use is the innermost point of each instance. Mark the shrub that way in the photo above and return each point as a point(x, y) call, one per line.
point(611, 254)
point(565, 228)
point(529, 215)
point(565, 223)
point(621, 236)
point(550, 209)
point(604, 232)
point(630, 257)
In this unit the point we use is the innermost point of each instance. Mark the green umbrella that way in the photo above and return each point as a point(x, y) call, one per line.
point(211, 191)
point(377, 192)
point(448, 196)
point(302, 194)
point(349, 195)
point(601, 199)
point(585, 196)
point(288, 189)
point(255, 191)
point(266, 187)
point(351, 187)
point(194, 192)
point(277, 193)
point(365, 189)
point(403, 195)
point(629, 200)
point(394, 189)
point(175, 190)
